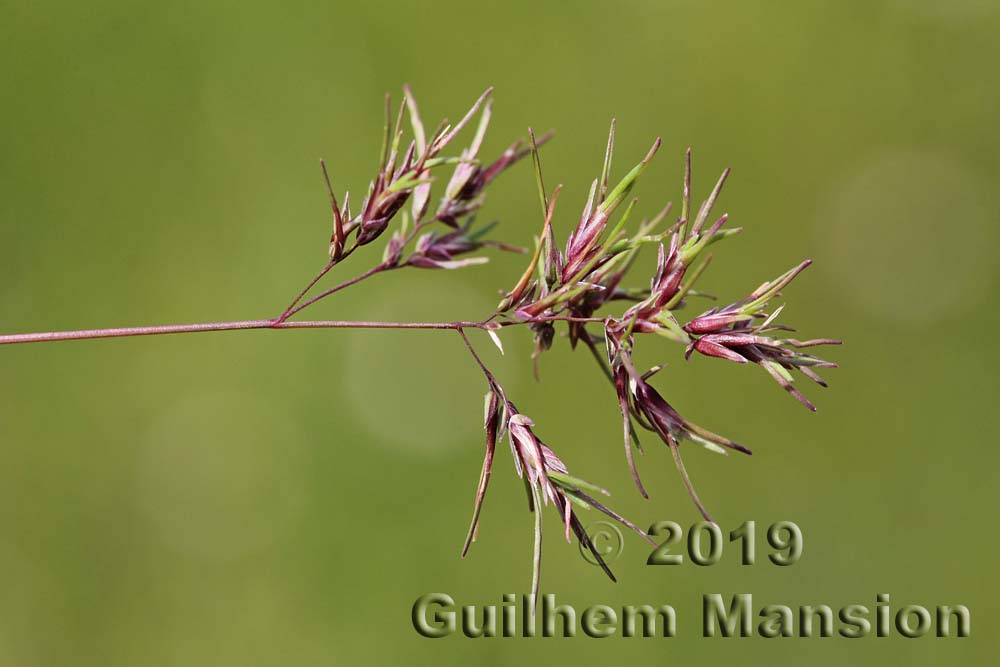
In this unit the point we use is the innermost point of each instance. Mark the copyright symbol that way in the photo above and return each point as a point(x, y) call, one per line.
point(606, 539)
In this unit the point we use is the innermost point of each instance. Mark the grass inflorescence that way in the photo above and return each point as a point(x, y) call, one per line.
point(588, 285)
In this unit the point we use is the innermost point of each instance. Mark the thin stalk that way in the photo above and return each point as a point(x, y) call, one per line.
point(294, 307)
point(124, 332)
point(336, 288)
point(85, 334)
point(675, 452)
point(536, 569)
point(286, 313)
point(490, 378)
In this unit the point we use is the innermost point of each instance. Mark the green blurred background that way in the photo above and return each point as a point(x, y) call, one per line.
point(283, 498)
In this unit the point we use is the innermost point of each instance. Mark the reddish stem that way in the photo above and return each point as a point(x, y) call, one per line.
point(336, 288)
point(122, 332)
point(286, 313)
point(84, 334)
